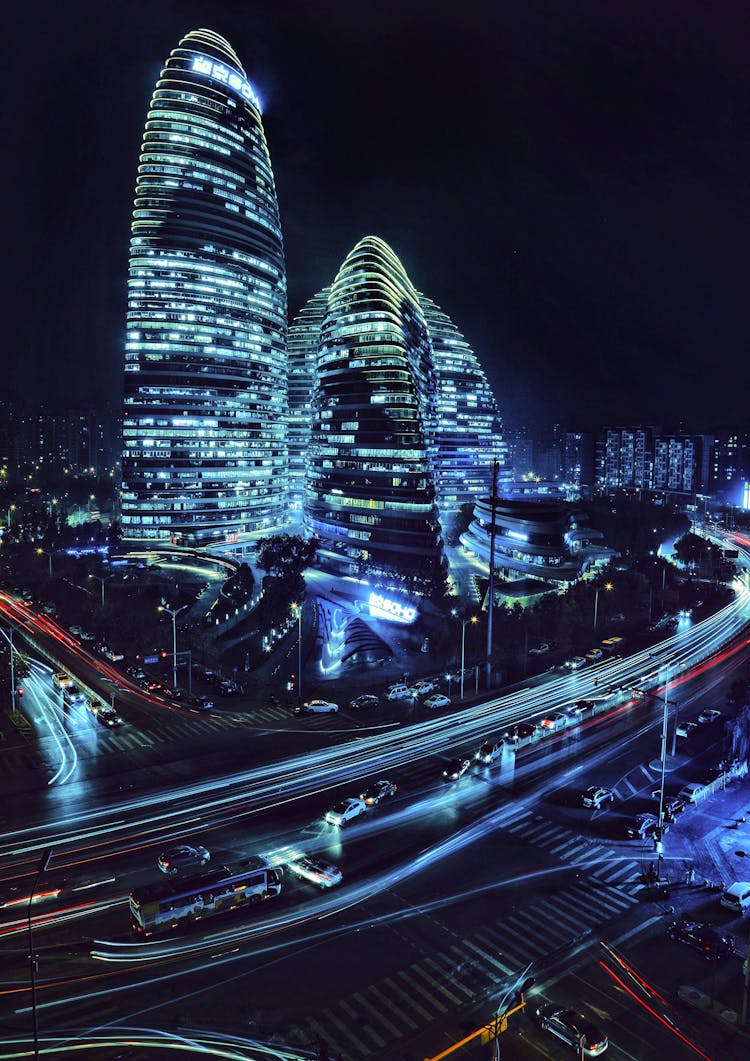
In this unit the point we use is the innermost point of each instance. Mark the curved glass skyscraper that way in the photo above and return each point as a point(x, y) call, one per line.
point(370, 491)
point(469, 433)
point(205, 364)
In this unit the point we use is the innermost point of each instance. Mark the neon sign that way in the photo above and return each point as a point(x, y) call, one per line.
point(383, 608)
point(219, 72)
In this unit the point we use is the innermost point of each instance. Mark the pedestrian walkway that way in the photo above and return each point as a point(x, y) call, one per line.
point(607, 865)
point(371, 1021)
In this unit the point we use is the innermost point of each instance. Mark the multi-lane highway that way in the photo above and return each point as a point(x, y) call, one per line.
point(427, 857)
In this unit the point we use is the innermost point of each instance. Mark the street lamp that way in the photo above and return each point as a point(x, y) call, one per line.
point(471, 619)
point(297, 609)
point(41, 868)
point(174, 612)
point(608, 586)
point(48, 553)
point(101, 579)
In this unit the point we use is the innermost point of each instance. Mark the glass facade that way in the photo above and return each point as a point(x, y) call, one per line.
point(205, 413)
point(302, 344)
point(468, 432)
point(370, 495)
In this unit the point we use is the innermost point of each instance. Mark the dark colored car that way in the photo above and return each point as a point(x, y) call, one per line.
point(182, 858)
point(200, 703)
point(710, 943)
point(377, 791)
point(365, 700)
point(574, 1029)
point(456, 768)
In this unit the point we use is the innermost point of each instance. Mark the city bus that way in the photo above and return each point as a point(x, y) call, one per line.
point(170, 905)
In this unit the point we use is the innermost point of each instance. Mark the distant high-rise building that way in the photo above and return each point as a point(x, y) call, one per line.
point(730, 466)
point(578, 459)
point(205, 363)
point(370, 487)
point(302, 341)
point(645, 458)
point(468, 433)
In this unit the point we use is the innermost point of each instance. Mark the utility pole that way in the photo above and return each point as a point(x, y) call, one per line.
point(12, 672)
point(659, 835)
point(490, 603)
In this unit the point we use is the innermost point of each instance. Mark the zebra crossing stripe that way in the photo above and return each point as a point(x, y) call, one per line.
point(562, 916)
point(409, 999)
point(331, 1017)
point(616, 873)
point(427, 995)
point(391, 1005)
point(576, 850)
point(364, 1003)
point(435, 983)
point(359, 1020)
point(529, 925)
point(450, 972)
point(504, 969)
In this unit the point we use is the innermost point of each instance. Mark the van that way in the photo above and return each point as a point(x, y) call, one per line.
point(399, 692)
point(737, 897)
point(490, 751)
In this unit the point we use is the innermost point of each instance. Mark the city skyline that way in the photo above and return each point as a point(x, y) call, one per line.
point(581, 228)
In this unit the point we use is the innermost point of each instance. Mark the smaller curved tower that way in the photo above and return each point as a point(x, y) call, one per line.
point(370, 489)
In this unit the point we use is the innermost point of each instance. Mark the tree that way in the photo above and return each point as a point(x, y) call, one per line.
point(737, 733)
point(285, 555)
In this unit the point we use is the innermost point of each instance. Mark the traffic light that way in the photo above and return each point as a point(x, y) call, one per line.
point(19, 693)
point(291, 684)
point(164, 654)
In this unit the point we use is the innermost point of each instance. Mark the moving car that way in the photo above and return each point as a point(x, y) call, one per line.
point(365, 700)
point(711, 944)
point(709, 715)
point(61, 679)
point(345, 811)
point(595, 797)
point(73, 695)
point(201, 703)
point(316, 707)
point(553, 723)
point(422, 686)
point(456, 768)
point(136, 673)
point(437, 700)
point(490, 751)
point(315, 870)
point(377, 791)
point(112, 656)
point(181, 858)
point(576, 663)
point(226, 688)
point(574, 1029)
point(108, 717)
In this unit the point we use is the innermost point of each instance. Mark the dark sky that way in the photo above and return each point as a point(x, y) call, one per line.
point(568, 180)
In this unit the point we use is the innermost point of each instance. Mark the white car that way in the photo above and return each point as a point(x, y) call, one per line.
point(540, 650)
point(594, 654)
point(422, 686)
point(576, 663)
point(316, 707)
point(709, 715)
point(345, 811)
point(399, 692)
point(315, 870)
point(594, 797)
point(437, 700)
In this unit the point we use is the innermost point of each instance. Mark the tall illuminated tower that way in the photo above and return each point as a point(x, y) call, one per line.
point(370, 490)
point(303, 342)
point(468, 432)
point(205, 363)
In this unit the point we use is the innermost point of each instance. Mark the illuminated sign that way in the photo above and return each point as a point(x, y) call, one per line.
point(228, 77)
point(518, 536)
point(383, 608)
point(746, 496)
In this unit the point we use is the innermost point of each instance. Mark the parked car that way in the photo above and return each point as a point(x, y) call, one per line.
point(422, 686)
point(226, 688)
point(596, 797)
point(574, 1029)
point(523, 733)
point(363, 701)
point(437, 700)
point(555, 722)
point(345, 811)
point(377, 791)
point(580, 709)
point(594, 654)
point(709, 715)
point(684, 729)
point(540, 650)
point(182, 858)
point(201, 703)
point(112, 656)
point(315, 870)
point(643, 826)
point(673, 805)
point(136, 673)
point(703, 938)
point(456, 768)
point(400, 691)
point(316, 707)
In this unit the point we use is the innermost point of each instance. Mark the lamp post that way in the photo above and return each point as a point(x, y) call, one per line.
point(471, 619)
point(101, 579)
point(608, 587)
point(174, 612)
point(49, 553)
point(297, 609)
point(660, 826)
point(41, 868)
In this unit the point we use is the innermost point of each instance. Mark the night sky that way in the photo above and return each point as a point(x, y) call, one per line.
point(569, 181)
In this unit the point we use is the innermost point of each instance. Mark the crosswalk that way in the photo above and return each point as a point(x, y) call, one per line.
point(607, 865)
point(370, 1022)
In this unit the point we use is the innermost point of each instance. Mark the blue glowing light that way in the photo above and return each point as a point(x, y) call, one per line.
point(383, 608)
point(222, 73)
